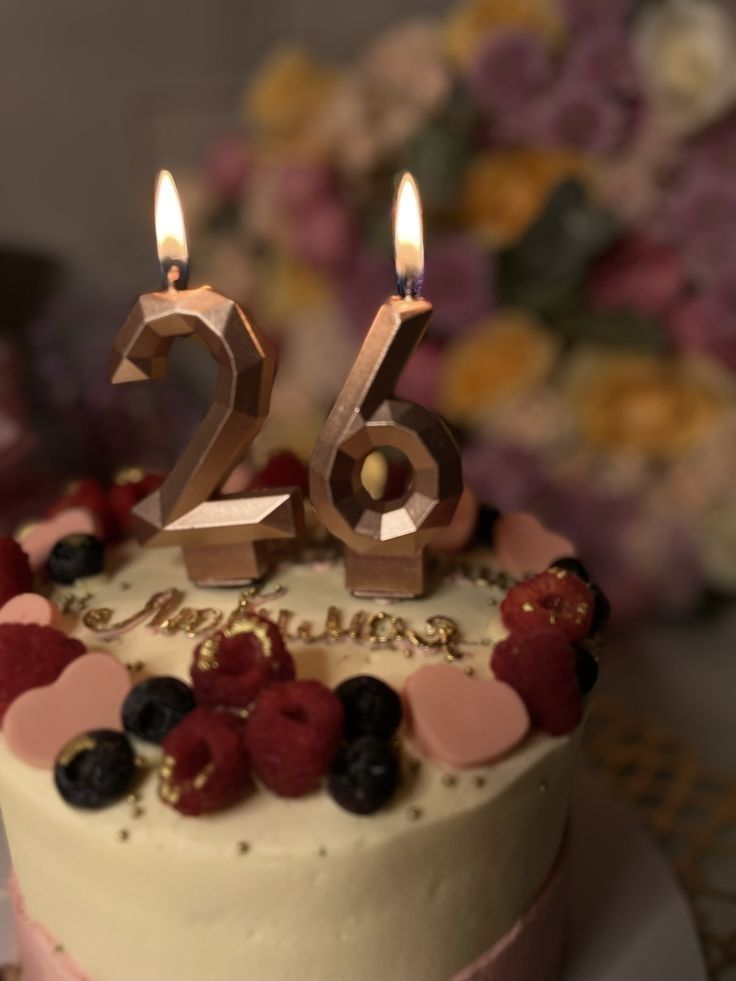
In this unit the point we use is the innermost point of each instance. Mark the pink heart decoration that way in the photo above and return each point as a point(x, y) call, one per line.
point(462, 722)
point(89, 694)
point(30, 608)
point(522, 544)
point(39, 541)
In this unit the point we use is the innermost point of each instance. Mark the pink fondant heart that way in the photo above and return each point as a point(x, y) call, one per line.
point(39, 541)
point(460, 721)
point(522, 544)
point(89, 694)
point(30, 608)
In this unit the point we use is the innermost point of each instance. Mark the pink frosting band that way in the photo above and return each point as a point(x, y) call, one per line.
point(532, 950)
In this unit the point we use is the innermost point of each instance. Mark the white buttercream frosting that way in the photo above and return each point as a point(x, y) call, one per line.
point(412, 893)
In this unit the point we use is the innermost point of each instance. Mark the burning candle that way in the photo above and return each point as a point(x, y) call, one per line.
point(223, 539)
point(385, 540)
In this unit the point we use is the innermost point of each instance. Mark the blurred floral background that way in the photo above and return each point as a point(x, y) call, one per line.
point(577, 163)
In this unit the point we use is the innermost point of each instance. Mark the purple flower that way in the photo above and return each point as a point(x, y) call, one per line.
point(365, 285)
point(699, 217)
point(459, 282)
point(705, 323)
point(324, 234)
point(637, 274)
point(582, 14)
point(420, 379)
point(505, 476)
point(510, 67)
point(603, 60)
point(715, 147)
point(575, 116)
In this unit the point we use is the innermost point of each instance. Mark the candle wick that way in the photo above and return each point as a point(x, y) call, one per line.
point(409, 284)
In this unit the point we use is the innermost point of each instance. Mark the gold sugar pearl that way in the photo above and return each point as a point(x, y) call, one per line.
point(138, 811)
point(123, 834)
point(242, 847)
point(414, 812)
point(479, 781)
point(469, 670)
point(132, 799)
point(321, 851)
point(58, 948)
point(449, 780)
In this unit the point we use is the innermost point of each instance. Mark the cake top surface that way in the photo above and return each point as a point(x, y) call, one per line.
point(332, 636)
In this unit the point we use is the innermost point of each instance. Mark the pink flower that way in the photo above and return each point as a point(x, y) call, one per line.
point(705, 323)
point(227, 167)
point(637, 274)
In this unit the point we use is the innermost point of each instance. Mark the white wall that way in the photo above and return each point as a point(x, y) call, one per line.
point(96, 95)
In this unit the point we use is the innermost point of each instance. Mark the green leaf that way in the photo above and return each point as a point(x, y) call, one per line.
point(549, 263)
point(614, 328)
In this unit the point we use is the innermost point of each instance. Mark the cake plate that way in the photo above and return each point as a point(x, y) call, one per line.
point(630, 922)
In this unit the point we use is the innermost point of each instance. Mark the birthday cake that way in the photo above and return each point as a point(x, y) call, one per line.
point(289, 781)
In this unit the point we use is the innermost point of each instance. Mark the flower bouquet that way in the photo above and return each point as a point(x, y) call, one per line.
point(576, 161)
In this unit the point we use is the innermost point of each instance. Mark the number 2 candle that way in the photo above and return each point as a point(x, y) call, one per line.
point(385, 540)
point(223, 539)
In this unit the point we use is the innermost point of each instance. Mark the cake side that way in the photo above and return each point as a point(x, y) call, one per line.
point(271, 886)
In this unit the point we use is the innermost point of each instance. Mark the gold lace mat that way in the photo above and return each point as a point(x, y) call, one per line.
point(689, 810)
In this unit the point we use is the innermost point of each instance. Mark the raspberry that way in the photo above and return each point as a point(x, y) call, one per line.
point(122, 498)
point(231, 668)
point(87, 493)
point(205, 765)
point(601, 608)
point(540, 666)
point(32, 656)
point(293, 734)
point(15, 571)
point(556, 598)
point(283, 469)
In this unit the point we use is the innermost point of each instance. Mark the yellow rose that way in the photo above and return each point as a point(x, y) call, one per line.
point(504, 192)
point(659, 407)
point(286, 96)
point(502, 356)
point(287, 288)
point(474, 20)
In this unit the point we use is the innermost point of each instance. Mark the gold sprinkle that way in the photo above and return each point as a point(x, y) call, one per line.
point(449, 780)
point(450, 657)
point(132, 799)
point(242, 847)
point(527, 607)
point(125, 585)
point(139, 761)
point(321, 851)
point(138, 811)
point(408, 652)
point(479, 781)
point(58, 948)
point(469, 670)
point(123, 834)
point(414, 812)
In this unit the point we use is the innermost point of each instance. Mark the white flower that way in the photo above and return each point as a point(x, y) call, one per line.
point(401, 81)
point(718, 547)
point(687, 58)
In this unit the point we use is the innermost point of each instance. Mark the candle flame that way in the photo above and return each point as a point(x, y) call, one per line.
point(171, 238)
point(408, 237)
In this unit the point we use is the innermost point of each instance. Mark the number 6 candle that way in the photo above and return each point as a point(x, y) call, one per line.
point(223, 539)
point(385, 540)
